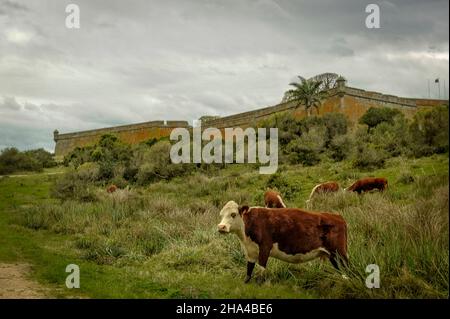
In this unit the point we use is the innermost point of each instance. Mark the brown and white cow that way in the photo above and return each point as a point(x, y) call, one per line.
point(289, 234)
point(367, 184)
point(327, 187)
point(111, 189)
point(272, 199)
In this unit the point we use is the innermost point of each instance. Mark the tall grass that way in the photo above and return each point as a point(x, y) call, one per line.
point(169, 231)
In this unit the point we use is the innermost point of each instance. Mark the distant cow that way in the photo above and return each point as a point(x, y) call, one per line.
point(367, 184)
point(327, 187)
point(289, 234)
point(272, 199)
point(111, 189)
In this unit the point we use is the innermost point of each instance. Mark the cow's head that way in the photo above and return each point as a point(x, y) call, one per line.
point(231, 215)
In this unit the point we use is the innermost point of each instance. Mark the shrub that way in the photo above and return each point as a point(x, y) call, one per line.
point(429, 132)
point(288, 127)
point(106, 170)
point(307, 148)
point(78, 156)
point(88, 172)
point(155, 164)
point(368, 157)
point(392, 137)
point(279, 182)
point(42, 156)
point(406, 178)
point(340, 147)
point(377, 115)
point(336, 124)
point(72, 186)
point(12, 160)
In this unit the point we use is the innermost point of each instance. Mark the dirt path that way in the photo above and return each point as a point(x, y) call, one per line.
point(14, 283)
point(27, 175)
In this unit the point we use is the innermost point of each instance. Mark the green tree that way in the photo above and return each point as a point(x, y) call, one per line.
point(429, 131)
point(13, 160)
point(306, 92)
point(42, 156)
point(377, 115)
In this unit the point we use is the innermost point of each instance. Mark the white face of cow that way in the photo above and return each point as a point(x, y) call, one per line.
point(231, 219)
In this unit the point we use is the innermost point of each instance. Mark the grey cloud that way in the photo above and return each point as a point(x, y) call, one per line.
point(145, 60)
point(10, 103)
point(11, 6)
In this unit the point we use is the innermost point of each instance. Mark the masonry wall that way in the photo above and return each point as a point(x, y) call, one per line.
point(132, 134)
point(350, 101)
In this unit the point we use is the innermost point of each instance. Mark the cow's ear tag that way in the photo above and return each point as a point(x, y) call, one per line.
point(243, 209)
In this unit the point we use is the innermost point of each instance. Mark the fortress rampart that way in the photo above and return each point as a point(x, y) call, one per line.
point(352, 102)
point(132, 134)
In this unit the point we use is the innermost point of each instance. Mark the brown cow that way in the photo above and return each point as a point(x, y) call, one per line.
point(272, 199)
point(327, 187)
point(111, 189)
point(367, 184)
point(289, 234)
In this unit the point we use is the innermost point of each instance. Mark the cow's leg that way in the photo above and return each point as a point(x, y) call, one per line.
point(250, 267)
point(264, 253)
point(335, 257)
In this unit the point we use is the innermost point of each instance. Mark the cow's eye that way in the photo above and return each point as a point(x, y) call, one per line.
point(233, 215)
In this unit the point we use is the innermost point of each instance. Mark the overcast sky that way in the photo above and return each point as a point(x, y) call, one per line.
point(136, 61)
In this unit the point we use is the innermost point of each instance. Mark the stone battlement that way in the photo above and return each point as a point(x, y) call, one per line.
point(131, 133)
point(352, 102)
point(120, 128)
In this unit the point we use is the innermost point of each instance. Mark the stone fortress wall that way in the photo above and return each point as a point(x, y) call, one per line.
point(132, 134)
point(350, 101)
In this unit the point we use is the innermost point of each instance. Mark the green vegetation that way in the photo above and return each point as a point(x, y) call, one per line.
point(377, 115)
point(156, 237)
point(12, 160)
point(306, 92)
point(161, 240)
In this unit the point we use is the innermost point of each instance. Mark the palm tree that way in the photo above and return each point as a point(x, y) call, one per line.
point(307, 92)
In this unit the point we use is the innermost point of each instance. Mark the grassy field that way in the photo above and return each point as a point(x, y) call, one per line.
point(161, 241)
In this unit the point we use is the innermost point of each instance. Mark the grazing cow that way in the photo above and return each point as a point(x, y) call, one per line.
point(111, 189)
point(272, 199)
point(289, 234)
point(327, 187)
point(367, 184)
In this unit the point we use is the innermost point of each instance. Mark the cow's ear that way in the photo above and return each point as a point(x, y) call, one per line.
point(243, 209)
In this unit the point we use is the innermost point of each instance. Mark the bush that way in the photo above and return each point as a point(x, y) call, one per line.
point(377, 115)
point(88, 172)
point(12, 160)
point(106, 170)
point(406, 178)
point(42, 156)
point(429, 132)
point(336, 124)
point(340, 147)
point(392, 137)
point(78, 156)
point(279, 182)
point(155, 164)
point(288, 127)
point(307, 148)
point(368, 157)
point(72, 186)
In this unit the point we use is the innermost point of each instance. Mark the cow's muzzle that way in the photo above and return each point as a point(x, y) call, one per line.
point(222, 229)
